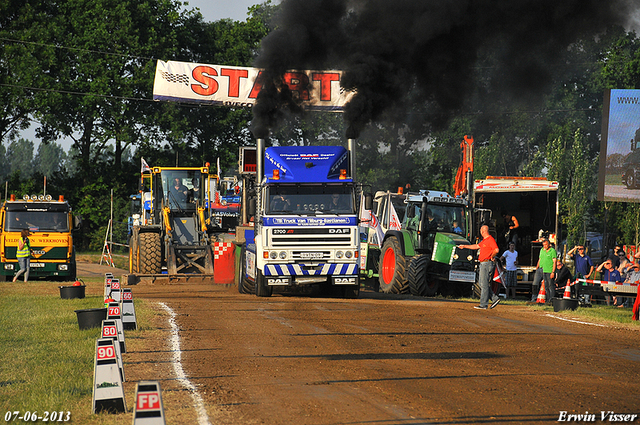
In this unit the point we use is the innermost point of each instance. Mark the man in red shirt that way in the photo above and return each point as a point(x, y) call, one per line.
point(488, 249)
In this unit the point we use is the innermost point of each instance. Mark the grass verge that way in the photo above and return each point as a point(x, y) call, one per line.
point(47, 361)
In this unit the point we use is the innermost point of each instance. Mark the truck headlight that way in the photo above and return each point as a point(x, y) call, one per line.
point(348, 254)
point(283, 255)
point(63, 267)
point(455, 256)
point(273, 255)
point(470, 257)
point(339, 254)
point(8, 266)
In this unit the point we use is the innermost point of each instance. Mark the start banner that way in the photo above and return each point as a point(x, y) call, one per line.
point(239, 87)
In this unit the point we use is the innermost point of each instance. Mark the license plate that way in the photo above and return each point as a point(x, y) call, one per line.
point(311, 255)
point(36, 265)
point(462, 276)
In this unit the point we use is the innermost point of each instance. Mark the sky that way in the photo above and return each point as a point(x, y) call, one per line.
point(214, 10)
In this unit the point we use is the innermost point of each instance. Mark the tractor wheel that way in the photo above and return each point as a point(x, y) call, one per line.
point(477, 290)
point(149, 253)
point(417, 275)
point(262, 289)
point(393, 267)
point(631, 179)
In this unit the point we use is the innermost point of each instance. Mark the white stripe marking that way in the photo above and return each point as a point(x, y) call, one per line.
point(576, 321)
point(203, 418)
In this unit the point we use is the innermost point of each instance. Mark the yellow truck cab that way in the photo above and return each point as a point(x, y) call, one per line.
point(50, 223)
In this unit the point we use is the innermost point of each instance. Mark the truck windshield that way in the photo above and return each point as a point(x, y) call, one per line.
point(182, 189)
point(446, 218)
point(37, 221)
point(310, 200)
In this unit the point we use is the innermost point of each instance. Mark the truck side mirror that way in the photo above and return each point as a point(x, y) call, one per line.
point(368, 202)
point(77, 222)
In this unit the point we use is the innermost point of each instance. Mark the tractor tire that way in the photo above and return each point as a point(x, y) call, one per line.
point(245, 286)
point(149, 253)
point(262, 290)
point(476, 290)
point(393, 268)
point(425, 282)
point(417, 275)
point(630, 180)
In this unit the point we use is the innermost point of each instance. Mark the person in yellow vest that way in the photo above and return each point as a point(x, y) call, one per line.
point(23, 254)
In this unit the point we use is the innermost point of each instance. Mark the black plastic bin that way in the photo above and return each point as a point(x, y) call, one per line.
point(91, 318)
point(70, 292)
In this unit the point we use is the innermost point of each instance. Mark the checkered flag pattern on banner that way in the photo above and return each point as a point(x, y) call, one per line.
point(175, 78)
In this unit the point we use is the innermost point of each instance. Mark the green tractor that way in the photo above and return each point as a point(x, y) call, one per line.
point(420, 254)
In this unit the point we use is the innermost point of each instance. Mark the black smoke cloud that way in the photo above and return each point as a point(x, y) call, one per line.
point(391, 50)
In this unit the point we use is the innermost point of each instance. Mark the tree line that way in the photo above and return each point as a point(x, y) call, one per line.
point(83, 70)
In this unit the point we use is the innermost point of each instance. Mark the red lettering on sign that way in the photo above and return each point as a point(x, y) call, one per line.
point(109, 332)
point(325, 79)
point(257, 86)
point(204, 75)
point(148, 401)
point(297, 82)
point(234, 79)
point(105, 353)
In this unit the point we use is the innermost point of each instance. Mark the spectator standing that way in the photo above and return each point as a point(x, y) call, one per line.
point(23, 253)
point(583, 264)
point(510, 258)
point(511, 225)
point(547, 261)
point(488, 248)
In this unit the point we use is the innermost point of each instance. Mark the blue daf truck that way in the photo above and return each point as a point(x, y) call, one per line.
point(305, 226)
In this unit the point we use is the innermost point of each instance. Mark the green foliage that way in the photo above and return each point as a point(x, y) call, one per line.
point(576, 172)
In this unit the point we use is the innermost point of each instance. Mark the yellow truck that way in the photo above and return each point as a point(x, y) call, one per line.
point(50, 222)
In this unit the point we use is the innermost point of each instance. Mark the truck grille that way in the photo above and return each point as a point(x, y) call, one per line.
point(300, 255)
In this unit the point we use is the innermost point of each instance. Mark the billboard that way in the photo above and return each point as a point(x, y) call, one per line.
point(238, 87)
point(619, 175)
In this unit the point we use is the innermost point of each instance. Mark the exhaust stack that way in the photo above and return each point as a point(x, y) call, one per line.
point(351, 147)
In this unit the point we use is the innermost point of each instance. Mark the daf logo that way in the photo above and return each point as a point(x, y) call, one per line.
point(345, 280)
point(339, 230)
point(277, 281)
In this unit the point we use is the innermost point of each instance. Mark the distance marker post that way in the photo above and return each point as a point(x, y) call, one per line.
point(108, 394)
point(115, 290)
point(148, 408)
point(110, 331)
point(128, 310)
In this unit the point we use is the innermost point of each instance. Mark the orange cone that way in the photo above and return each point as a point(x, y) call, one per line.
point(567, 292)
point(542, 295)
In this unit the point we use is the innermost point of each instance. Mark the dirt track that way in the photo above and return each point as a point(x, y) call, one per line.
point(389, 360)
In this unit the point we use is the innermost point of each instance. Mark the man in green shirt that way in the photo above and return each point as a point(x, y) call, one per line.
point(547, 261)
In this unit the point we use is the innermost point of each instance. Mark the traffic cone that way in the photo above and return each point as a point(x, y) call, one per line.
point(567, 292)
point(542, 295)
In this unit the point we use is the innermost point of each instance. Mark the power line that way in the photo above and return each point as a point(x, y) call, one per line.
point(76, 48)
